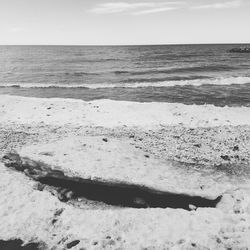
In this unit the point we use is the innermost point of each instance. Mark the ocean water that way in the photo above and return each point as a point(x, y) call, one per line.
point(190, 74)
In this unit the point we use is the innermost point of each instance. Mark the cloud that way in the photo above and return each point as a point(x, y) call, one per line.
point(154, 10)
point(224, 5)
point(143, 8)
point(140, 8)
point(118, 7)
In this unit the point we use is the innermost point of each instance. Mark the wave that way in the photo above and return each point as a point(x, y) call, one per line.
point(164, 79)
point(205, 68)
point(196, 82)
point(80, 74)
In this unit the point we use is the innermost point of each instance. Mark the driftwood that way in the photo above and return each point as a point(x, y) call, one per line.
point(112, 193)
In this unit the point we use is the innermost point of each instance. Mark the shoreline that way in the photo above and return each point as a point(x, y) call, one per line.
point(233, 95)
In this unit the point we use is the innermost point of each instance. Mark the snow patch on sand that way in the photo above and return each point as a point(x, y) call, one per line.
point(116, 161)
point(108, 113)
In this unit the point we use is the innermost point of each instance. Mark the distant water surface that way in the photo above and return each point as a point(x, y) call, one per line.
point(188, 74)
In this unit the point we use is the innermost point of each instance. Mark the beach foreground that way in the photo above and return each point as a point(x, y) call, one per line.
point(179, 150)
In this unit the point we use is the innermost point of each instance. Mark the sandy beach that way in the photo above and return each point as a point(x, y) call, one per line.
point(176, 150)
point(124, 125)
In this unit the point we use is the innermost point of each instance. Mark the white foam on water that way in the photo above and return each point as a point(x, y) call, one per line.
point(197, 82)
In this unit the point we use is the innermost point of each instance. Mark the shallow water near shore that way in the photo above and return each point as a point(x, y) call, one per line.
point(233, 95)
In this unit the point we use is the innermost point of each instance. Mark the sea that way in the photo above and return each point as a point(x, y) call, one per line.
point(189, 74)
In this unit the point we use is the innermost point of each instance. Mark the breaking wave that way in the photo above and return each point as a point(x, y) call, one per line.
point(139, 84)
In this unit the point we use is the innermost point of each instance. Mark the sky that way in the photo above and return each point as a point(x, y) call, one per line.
point(124, 22)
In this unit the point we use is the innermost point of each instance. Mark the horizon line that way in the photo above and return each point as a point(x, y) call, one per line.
point(149, 44)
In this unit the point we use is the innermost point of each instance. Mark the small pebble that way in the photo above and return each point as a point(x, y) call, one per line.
point(40, 187)
point(192, 207)
point(225, 157)
point(73, 243)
